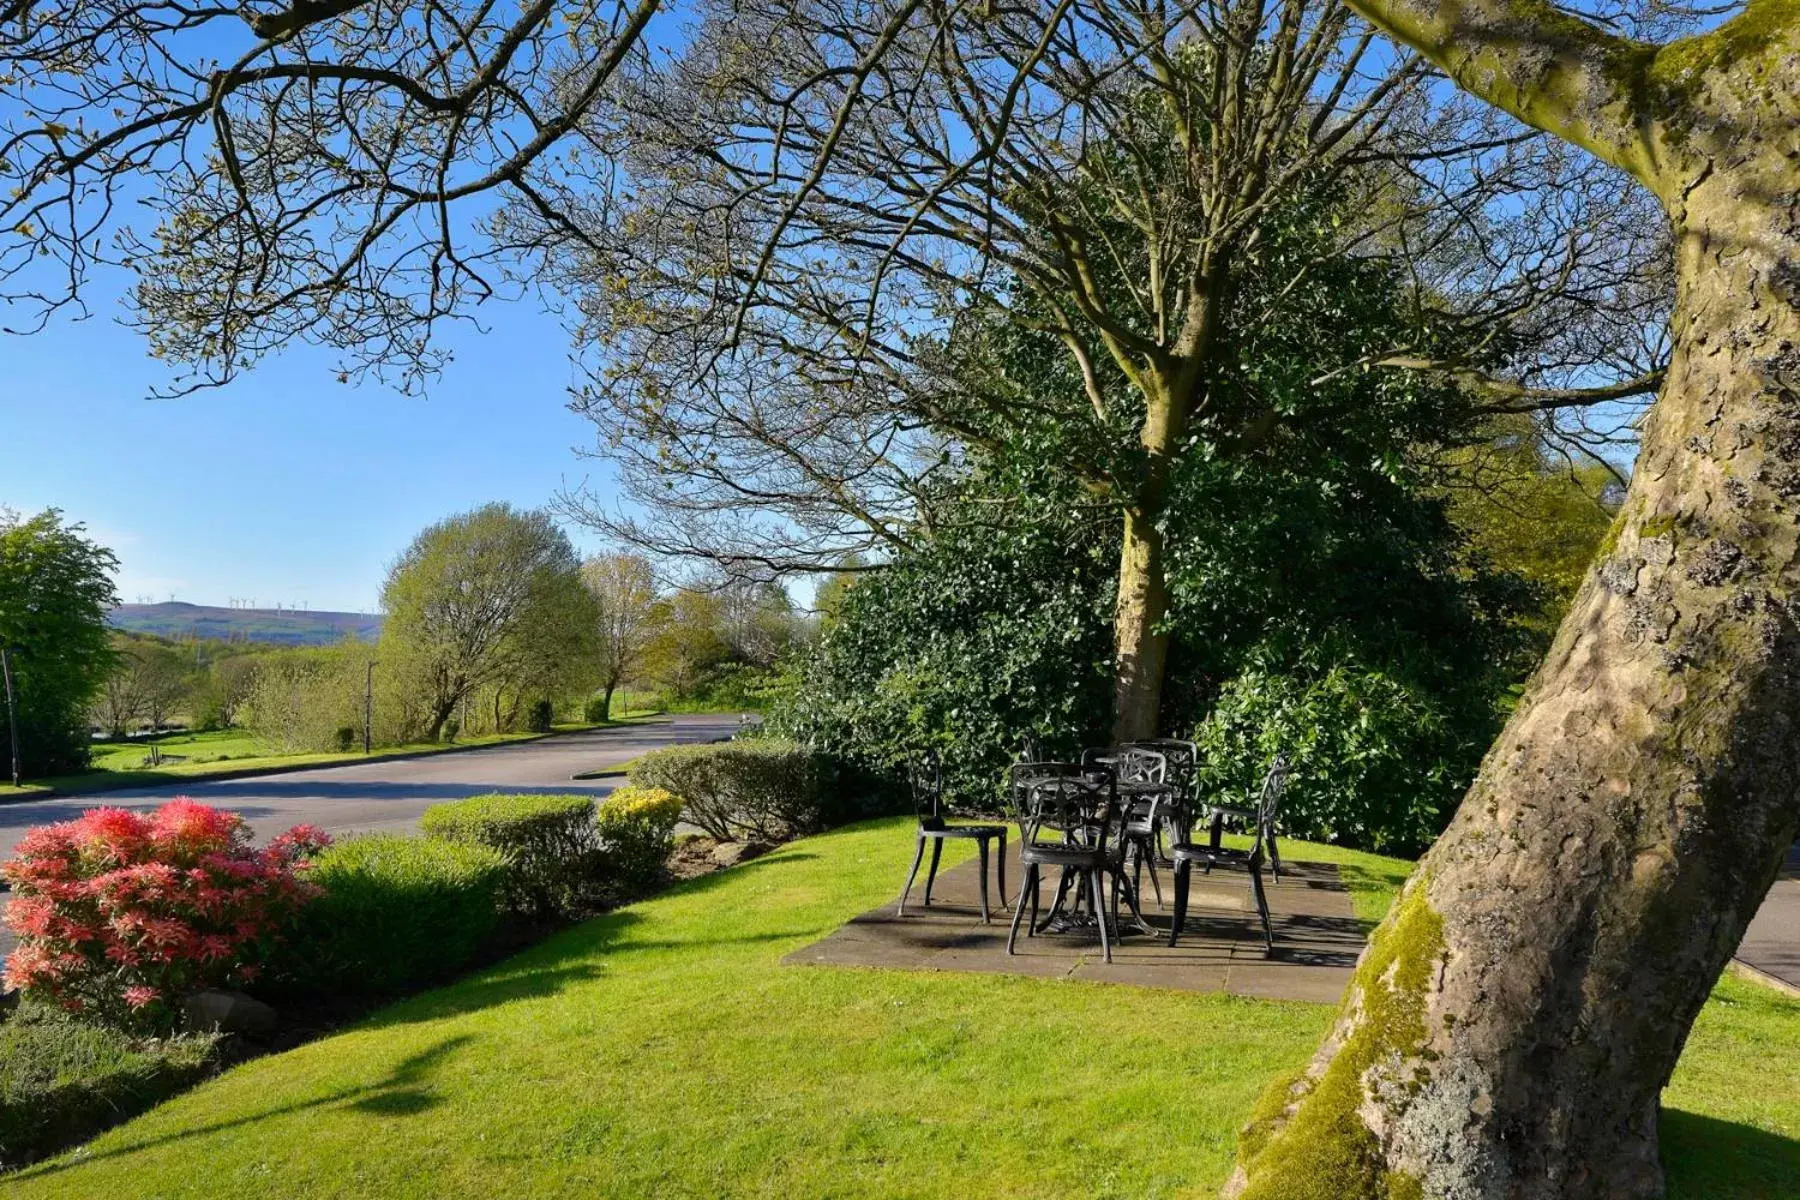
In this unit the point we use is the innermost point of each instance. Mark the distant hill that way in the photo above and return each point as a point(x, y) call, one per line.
point(285, 627)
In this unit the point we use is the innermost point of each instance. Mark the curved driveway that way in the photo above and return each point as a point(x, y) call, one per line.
point(390, 795)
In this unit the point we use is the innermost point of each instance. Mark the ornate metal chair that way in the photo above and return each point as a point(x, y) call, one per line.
point(1176, 817)
point(1253, 818)
point(1146, 794)
point(1065, 817)
point(927, 780)
point(1251, 860)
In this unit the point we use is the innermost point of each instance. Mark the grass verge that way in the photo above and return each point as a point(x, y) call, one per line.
point(60, 1079)
point(663, 1051)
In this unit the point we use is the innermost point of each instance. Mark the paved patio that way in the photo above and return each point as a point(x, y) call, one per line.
point(1317, 936)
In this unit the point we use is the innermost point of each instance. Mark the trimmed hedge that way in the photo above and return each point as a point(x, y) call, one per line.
point(396, 912)
point(637, 834)
point(757, 789)
point(62, 1081)
point(548, 842)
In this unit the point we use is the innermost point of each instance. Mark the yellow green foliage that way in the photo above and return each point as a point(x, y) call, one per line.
point(634, 802)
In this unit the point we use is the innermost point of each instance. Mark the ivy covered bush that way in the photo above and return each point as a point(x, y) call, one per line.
point(548, 843)
point(120, 915)
point(1376, 761)
point(752, 790)
point(636, 827)
point(393, 913)
point(963, 646)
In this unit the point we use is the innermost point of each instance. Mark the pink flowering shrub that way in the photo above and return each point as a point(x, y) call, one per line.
point(122, 914)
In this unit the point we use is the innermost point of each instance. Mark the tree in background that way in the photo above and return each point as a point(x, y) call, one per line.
point(689, 643)
point(300, 699)
point(150, 680)
point(55, 591)
point(488, 599)
point(1532, 513)
point(784, 254)
point(624, 590)
point(223, 689)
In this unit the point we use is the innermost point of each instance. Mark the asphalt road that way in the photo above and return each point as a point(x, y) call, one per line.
point(1772, 943)
point(389, 796)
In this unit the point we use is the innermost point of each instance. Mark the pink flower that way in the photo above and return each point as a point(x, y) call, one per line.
point(140, 996)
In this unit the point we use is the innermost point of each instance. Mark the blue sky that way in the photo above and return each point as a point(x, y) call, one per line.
point(286, 486)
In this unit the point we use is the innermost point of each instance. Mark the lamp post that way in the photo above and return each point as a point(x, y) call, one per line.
point(368, 703)
point(12, 715)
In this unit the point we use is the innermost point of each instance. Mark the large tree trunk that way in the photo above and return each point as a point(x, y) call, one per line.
point(1513, 1022)
point(1140, 644)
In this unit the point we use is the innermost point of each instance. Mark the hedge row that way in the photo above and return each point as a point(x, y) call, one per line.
point(757, 789)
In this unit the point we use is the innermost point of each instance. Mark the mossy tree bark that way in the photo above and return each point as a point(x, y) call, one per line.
point(1172, 387)
point(1140, 640)
point(1513, 1023)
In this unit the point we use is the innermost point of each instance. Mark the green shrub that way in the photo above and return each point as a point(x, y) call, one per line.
point(395, 912)
point(637, 833)
point(595, 711)
point(547, 841)
point(62, 1081)
point(346, 739)
point(764, 790)
point(1378, 762)
point(542, 717)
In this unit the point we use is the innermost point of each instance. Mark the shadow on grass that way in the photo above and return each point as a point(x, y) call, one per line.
point(404, 1091)
point(1709, 1159)
point(583, 954)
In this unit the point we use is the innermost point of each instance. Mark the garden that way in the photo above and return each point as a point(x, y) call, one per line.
point(524, 998)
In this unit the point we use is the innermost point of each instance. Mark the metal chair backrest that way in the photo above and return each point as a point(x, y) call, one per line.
point(927, 778)
point(1065, 807)
point(1183, 758)
point(1268, 805)
point(1137, 765)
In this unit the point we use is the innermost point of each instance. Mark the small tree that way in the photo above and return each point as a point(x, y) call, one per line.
point(624, 590)
point(55, 591)
point(475, 602)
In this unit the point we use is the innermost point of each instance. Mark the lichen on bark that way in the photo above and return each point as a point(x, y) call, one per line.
point(1308, 1138)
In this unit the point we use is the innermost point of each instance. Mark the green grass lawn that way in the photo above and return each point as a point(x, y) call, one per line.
point(121, 764)
point(662, 1051)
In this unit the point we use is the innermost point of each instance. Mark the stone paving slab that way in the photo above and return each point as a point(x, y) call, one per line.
point(1317, 936)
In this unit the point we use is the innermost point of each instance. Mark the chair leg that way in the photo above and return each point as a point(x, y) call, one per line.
point(1035, 885)
point(937, 851)
point(1093, 882)
point(1118, 888)
point(1000, 867)
point(1274, 856)
point(982, 848)
point(911, 875)
point(1056, 905)
point(1183, 871)
point(1019, 908)
point(1262, 908)
point(1155, 884)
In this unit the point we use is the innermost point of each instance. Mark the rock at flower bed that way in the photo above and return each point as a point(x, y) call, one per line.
point(730, 854)
point(215, 1011)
